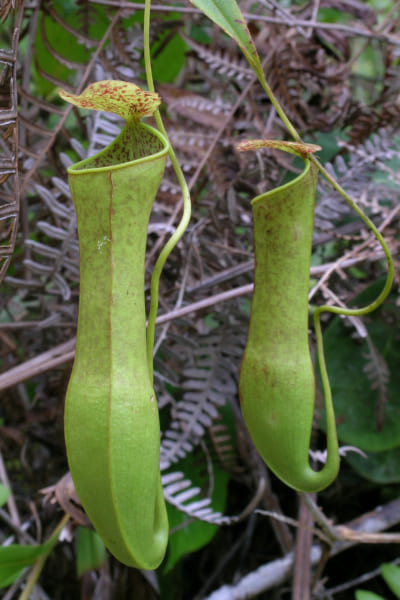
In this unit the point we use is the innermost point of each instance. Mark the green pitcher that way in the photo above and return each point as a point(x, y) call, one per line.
point(112, 429)
point(277, 384)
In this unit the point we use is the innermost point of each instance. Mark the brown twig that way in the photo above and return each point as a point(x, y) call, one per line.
point(350, 30)
point(278, 571)
point(65, 352)
point(302, 564)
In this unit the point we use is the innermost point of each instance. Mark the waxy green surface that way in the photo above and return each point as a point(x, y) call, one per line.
point(112, 427)
point(277, 385)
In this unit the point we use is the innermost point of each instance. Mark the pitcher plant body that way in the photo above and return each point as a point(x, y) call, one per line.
point(112, 429)
point(277, 383)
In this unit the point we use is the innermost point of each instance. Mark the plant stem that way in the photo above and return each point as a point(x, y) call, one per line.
point(40, 561)
point(275, 103)
point(181, 228)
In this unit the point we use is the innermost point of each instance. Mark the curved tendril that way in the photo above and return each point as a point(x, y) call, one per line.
point(356, 312)
point(187, 208)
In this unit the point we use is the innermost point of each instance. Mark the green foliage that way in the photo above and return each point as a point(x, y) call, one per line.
point(52, 35)
point(391, 575)
point(4, 494)
point(354, 394)
point(378, 467)
point(328, 142)
point(90, 552)
point(226, 14)
point(366, 595)
point(168, 56)
point(15, 558)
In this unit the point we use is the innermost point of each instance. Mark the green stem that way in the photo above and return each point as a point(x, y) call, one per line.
point(275, 103)
point(181, 228)
point(40, 561)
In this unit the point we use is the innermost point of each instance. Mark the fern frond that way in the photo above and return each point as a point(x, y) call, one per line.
point(9, 150)
point(370, 175)
point(223, 446)
point(55, 266)
point(7, 7)
point(208, 384)
point(102, 130)
point(127, 48)
point(178, 490)
point(52, 201)
point(205, 111)
point(221, 62)
point(194, 142)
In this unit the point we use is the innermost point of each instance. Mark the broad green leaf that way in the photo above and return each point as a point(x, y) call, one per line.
point(379, 467)
point(91, 551)
point(14, 558)
point(354, 399)
point(391, 575)
point(366, 595)
point(227, 15)
point(328, 140)
point(168, 57)
point(4, 494)
point(55, 46)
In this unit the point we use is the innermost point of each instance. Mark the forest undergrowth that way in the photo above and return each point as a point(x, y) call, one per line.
point(334, 66)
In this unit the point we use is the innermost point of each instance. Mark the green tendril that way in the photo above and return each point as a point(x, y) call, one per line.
point(187, 208)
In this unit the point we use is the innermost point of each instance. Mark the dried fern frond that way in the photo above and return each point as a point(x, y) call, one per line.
point(369, 174)
point(221, 62)
point(377, 371)
point(56, 265)
point(9, 185)
point(204, 111)
point(102, 130)
point(178, 490)
point(208, 383)
point(221, 440)
point(10, 7)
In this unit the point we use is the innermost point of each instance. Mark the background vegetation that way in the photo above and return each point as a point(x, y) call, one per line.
point(334, 67)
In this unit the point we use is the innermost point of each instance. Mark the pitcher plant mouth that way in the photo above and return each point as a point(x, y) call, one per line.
point(136, 142)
